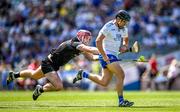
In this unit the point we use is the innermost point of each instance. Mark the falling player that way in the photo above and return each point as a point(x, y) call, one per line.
point(58, 57)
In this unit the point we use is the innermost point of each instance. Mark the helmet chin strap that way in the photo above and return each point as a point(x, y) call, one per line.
point(120, 27)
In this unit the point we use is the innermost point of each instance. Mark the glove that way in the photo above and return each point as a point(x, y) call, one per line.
point(123, 49)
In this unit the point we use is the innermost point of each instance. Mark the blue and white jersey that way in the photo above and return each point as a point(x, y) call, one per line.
point(113, 37)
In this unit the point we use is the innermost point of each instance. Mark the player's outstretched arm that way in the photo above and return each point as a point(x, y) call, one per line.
point(88, 49)
point(90, 56)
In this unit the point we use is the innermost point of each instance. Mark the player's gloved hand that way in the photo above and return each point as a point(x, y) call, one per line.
point(106, 59)
point(123, 49)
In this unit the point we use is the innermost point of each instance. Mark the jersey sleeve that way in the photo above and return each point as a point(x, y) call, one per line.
point(75, 44)
point(53, 51)
point(125, 32)
point(104, 31)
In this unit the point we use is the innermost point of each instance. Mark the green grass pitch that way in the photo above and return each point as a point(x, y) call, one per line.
point(83, 101)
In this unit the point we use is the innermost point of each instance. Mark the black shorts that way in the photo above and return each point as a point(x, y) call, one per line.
point(47, 66)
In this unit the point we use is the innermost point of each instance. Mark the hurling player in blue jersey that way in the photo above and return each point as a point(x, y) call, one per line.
point(112, 39)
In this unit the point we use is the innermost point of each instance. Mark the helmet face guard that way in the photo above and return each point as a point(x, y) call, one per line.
point(84, 36)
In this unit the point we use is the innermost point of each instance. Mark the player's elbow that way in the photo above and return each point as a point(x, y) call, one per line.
point(90, 58)
point(96, 51)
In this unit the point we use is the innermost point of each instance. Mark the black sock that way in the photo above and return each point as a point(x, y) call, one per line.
point(130, 49)
point(17, 74)
point(41, 90)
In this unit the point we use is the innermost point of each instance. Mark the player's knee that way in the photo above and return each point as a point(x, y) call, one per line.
point(59, 87)
point(122, 76)
point(104, 84)
point(33, 75)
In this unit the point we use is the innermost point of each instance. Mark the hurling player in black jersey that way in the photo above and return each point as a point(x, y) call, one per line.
point(58, 57)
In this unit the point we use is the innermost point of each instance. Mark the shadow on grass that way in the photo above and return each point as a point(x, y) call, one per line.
point(101, 106)
point(149, 106)
point(74, 106)
point(77, 106)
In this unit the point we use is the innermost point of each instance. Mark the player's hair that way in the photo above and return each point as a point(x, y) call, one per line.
point(122, 14)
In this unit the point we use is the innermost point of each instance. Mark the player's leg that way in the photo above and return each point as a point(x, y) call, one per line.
point(54, 84)
point(119, 73)
point(49, 87)
point(103, 80)
point(35, 74)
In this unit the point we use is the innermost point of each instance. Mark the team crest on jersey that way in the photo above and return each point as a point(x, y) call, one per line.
point(117, 37)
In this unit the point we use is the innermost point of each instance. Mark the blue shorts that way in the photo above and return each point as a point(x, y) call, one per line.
point(112, 59)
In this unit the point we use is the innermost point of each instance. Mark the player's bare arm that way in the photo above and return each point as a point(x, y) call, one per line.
point(124, 47)
point(51, 64)
point(99, 45)
point(88, 49)
point(126, 41)
point(91, 56)
point(109, 42)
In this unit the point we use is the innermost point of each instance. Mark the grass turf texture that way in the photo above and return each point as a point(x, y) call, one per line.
point(83, 101)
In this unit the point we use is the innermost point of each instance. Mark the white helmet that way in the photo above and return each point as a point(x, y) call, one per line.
point(84, 36)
